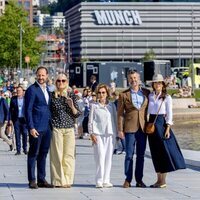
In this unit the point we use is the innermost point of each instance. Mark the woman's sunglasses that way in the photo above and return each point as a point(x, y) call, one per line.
point(59, 81)
point(101, 92)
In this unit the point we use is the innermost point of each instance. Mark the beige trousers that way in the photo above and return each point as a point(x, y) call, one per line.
point(62, 156)
point(3, 135)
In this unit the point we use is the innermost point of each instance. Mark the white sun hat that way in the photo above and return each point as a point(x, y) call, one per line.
point(158, 78)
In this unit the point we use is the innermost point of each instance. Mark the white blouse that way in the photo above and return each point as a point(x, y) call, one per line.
point(102, 119)
point(166, 108)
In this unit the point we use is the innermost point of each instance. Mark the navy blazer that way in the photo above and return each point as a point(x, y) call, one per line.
point(93, 86)
point(37, 111)
point(4, 110)
point(14, 109)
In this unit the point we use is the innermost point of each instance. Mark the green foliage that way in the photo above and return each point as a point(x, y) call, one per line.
point(52, 8)
point(10, 38)
point(45, 9)
point(149, 55)
point(197, 94)
point(172, 91)
point(64, 5)
point(59, 31)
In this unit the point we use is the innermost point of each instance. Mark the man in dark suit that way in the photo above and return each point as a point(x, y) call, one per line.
point(17, 112)
point(132, 115)
point(4, 117)
point(93, 83)
point(37, 113)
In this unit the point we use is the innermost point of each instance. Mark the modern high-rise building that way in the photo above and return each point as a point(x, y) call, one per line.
point(28, 6)
point(55, 21)
point(46, 2)
point(125, 31)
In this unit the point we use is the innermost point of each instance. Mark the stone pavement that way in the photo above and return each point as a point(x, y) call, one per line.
point(181, 185)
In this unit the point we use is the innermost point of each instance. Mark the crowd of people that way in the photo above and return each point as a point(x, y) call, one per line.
point(51, 115)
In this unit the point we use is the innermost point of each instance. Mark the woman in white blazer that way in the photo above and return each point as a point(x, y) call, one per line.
point(102, 127)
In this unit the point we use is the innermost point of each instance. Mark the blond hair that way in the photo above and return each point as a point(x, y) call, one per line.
point(60, 76)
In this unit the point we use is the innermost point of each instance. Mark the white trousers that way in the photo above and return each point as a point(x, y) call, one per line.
point(103, 152)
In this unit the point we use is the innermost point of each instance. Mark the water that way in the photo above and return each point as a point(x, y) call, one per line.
point(188, 133)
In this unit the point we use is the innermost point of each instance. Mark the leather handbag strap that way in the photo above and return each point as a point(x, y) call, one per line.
point(157, 112)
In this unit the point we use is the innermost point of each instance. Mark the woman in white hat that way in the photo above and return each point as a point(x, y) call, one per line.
point(165, 152)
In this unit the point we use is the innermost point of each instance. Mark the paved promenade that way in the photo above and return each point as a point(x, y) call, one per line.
point(182, 185)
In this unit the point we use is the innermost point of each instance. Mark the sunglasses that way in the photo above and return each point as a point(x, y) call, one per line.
point(101, 92)
point(59, 81)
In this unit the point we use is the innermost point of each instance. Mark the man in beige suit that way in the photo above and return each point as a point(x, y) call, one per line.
point(132, 114)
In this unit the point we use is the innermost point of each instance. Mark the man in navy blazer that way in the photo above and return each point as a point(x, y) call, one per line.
point(93, 83)
point(17, 113)
point(37, 113)
point(4, 117)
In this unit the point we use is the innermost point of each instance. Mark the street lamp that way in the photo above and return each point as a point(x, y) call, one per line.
point(122, 45)
point(68, 41)
point(20, 46)
point(179, 44)
point(20, 38)
point(192, 77)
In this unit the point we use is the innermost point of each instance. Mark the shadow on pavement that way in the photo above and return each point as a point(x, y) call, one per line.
point(14, 185)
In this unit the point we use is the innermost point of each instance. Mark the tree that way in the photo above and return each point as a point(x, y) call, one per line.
point(149, 55)
point(10, 38)
point(59, 31)
point(45, 9)
point(63, 5)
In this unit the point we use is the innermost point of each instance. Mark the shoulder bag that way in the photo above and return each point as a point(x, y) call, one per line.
point(150, 126)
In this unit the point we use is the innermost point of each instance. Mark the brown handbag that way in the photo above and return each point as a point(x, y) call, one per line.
point(150, 126)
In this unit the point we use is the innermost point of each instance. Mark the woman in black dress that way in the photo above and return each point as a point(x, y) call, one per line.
point(165, 151)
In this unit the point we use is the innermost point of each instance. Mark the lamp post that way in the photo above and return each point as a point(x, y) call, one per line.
point(122, 45)
point(20, 61)
point(179, 44)
point(192, 77)
point(68, 42)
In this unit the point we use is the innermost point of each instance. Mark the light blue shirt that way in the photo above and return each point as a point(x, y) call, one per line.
point(20, 102)
point(137, 98)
